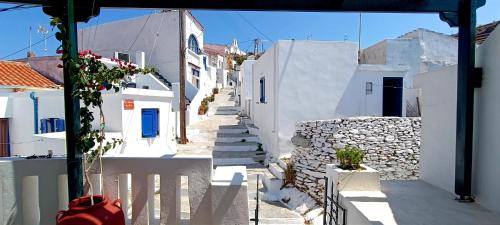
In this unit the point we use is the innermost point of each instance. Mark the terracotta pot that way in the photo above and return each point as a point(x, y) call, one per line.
point(81, 212)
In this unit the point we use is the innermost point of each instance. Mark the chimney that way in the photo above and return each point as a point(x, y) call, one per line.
point(140, 59)
point(30, 54)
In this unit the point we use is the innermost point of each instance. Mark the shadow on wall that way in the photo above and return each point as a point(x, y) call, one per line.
point(225, 204)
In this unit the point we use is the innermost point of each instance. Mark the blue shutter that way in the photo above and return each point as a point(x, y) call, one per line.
point(59, 125)
point(149, 122)
point(262, 90)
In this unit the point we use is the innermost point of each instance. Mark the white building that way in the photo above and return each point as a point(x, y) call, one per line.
point(15, 78)
point(158, 36)
point(218, 58)
point(439, 105)
point(234, 49)
point(310, 80)
point(421, 50)
point(143, 118)
point(246, 87)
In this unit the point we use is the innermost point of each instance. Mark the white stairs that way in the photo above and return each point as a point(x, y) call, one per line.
point(274, 177)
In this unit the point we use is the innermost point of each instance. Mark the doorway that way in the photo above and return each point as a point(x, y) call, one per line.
point(4, 138)
point(392, 96)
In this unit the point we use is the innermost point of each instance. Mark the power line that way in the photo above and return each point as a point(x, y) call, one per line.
point(20, 50)
point(140, 31)
point(18, 7)
point(254, 27)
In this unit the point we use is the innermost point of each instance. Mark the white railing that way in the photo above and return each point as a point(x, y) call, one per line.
point(33, 190)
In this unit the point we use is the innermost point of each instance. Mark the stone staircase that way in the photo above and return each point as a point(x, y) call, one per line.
point(273, 178)
point(223, 134)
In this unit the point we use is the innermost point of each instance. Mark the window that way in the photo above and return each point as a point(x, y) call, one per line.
point(369, 88)
point(193, 44)
point(122, 56)
point(195, 72)
point(150, 123)
point(262, 90)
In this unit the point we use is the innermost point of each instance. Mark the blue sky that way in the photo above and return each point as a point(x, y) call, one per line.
point(222, 26)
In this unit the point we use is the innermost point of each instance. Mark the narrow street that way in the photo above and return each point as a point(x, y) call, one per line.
point(227, 138)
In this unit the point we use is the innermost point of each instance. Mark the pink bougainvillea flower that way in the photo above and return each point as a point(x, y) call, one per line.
point(59, 51)
point(101, 87)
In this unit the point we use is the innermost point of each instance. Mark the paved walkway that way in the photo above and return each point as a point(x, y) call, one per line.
point(224, 136)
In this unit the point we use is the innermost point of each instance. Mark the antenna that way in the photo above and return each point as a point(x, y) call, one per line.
point(43, 31)
point(359, 39)
point(30, 39)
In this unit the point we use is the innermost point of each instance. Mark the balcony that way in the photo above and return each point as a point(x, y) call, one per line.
point(33, 190)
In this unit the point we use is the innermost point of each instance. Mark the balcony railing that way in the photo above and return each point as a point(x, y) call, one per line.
point(33, 190)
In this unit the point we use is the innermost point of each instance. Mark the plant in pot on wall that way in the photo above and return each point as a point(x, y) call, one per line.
point(91, 77)
point(350, 158)
point(350, 174)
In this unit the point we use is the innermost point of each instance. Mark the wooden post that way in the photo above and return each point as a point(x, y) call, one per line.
point(182, 77)
point(72, 108)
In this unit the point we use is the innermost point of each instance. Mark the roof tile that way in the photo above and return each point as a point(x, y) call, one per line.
point(21, 74)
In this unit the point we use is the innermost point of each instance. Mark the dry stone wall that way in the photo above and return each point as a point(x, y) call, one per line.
point(391, 146)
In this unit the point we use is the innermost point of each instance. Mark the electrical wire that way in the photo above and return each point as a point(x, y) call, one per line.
point(19, 7)
point(254, 27)
point(140, 31)
point(38, 42)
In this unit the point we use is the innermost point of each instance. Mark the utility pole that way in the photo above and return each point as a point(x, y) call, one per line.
point(182, 77)
point(256, 42)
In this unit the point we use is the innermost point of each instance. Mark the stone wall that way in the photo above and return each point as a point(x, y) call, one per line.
point(391, 145)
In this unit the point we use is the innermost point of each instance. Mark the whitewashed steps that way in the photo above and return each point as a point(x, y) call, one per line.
point(236, 146)
point(235, 161)
point(277, 171)
point(271, 183)
point(228, 137)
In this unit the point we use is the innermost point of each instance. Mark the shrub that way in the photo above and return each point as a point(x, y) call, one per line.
point(289, 173)
point(350, 157)
point(215, 91)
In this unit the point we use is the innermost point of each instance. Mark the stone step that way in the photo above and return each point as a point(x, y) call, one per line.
point(277, 171)
point(228, 137)
point(271, 183)
point(237, 154)
point(282, 164)
point(249, 162)
point(235, 146)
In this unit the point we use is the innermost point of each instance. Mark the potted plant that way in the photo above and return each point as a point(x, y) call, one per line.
point(91, 77)
point(350, 174)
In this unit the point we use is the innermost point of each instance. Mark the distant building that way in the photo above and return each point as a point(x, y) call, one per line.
point(218, 58)
point(421, 50)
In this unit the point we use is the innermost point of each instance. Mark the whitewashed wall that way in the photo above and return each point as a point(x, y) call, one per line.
point(21, 121)
point(120, 123)
point(139, 34)
point(246, 86)
point(304, 85)
point(421, 50)
point(264, 115)
point(439, 122)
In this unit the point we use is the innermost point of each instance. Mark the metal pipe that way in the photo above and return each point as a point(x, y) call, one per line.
point(35, 111)
point(72, 108)
point(465, 99)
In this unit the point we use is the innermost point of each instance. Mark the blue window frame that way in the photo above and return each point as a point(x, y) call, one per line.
point(263, 90)
point(193, 44)
point(195, 72)
point(149, 121)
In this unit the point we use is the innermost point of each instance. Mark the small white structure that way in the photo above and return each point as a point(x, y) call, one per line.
point(420, 50)
point(439, 91)
point(292, 82)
